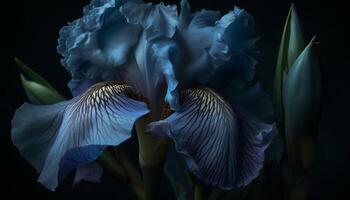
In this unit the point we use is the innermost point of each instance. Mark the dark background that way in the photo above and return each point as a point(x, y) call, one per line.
point(31, 31)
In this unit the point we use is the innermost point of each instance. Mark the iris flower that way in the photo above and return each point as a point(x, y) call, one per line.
point(192, 72)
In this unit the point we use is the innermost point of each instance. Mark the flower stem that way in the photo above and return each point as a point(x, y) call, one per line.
point(133, 177)
point(118, 163)
point(152, 154)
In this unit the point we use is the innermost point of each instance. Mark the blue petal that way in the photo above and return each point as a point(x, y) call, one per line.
point(157, 20)
point(233, 50)
point(78, 87)
point(156, 62)
point(223, 147)
point(57, 138)
point(97, 44)
point(185, 14)
point(195, 37)
point(219, 52)
point(254, 100)
point(166, 54)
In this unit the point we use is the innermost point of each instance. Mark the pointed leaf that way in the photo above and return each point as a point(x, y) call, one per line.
point(292, 44)
point(302, 98)
point(40, 94)
point(32, 75)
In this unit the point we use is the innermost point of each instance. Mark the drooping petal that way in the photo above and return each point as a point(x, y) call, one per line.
point(253, 99)
point(223, 147)
point(98, 43)
point(78, 87)
point(57, 138)
point(258, 103)
point(91, 172)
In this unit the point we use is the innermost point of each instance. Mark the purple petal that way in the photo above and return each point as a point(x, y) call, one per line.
point(57, 138)
point(223, 147)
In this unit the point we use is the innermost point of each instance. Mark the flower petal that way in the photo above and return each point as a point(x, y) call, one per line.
point(195, 37)
point(156, 61)
point(98, 43)
point(157, 20)
point(221, 146)
point(233, 50)
point(254, 100)
point(78, 87)
point(57, 138)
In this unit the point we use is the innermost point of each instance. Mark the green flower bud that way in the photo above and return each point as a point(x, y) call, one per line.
point(292, 43)
point(302, 106)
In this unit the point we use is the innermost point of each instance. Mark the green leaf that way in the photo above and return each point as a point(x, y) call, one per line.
point(292, 43)
point(38, 90)
point(40, 94)
point(32, 74)
point(302, 103)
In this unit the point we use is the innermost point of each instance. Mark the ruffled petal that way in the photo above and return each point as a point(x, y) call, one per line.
point(195, 37)
point(223, 147)
point(158, 20)
point(156, 62)
point(185, 14)
point(167, 55)
point(258, 103)
point(98, 43)
point(57, 138)
point(233, 50)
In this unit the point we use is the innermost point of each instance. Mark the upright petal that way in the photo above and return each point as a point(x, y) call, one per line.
point(57, 138)
point(156, 61)
point(223, 147)
point(233, 50)
point(158, 20)
point(95, 45)
point(195, 37)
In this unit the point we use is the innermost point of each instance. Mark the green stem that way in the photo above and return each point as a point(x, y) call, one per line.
point(133, 177)
point(152, 179)
point(152, 154)
point(122, 168)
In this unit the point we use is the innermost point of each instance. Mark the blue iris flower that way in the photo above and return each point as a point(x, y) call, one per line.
point(129, 59)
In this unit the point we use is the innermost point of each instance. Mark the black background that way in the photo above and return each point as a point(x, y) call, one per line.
point(31, 31)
